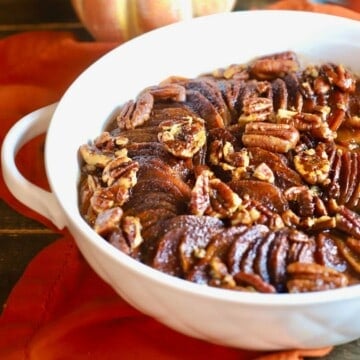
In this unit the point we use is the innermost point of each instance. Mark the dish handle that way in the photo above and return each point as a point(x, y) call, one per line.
point(31, 195)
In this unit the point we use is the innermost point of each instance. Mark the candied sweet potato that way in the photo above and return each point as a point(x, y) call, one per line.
point(245, 178)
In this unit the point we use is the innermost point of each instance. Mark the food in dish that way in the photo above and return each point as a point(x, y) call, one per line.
point(245, 178)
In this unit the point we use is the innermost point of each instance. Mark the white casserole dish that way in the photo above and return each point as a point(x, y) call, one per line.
point(246, 320)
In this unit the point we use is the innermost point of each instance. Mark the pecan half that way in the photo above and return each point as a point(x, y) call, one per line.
point(256, 109)
point(135, 113)
point(183, 137)
point(313, 123)
point(86, 190)
point(348, 221)
point(352, 257)
point(234, 71)
point(273, 66)
point(102, 199)
point(252, 212)
point(223, 154)
point(327, 253)
point(200, 194)
point(171, 91)
point(339, 76)
point(106, 142)
point(131, 228)
point(93, 156)
point(340, 108)
point(210, 196)
point(255, 281)
point(108, 221)
point(278, 138)
point(304, 277)
point(120, 177)
point(121, 167)
point(313, 165)
point(124, 232)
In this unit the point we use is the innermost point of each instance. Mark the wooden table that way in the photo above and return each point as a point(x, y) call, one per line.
point(22, 238)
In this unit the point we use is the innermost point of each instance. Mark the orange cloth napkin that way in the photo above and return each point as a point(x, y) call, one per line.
point(60, 309)
point(305, 5)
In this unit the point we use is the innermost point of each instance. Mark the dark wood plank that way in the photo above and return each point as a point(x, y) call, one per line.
point(17, 250)
point(36, 11)
point(27, 15)
point(21, 239)
point(12, 221)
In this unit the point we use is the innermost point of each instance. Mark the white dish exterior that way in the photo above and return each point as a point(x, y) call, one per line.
point(245, 320)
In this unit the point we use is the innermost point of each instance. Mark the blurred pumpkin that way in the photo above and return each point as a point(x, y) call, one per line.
point(121, 20)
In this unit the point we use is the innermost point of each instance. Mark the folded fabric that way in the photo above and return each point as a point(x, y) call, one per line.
point(67, 312)
point(36, 69)
point(60, 309)
point(304, 5)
